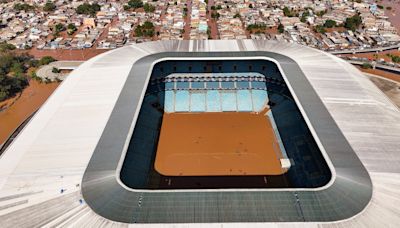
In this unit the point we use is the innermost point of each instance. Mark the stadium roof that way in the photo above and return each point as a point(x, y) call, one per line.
point(355, 125)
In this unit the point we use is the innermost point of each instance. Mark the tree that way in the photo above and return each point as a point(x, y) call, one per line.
point(49, 7)
point(6, 47)
point(23, 6)
point(256, 27)
point(148, 8)
point(59, 27)
point(71, 28)
point(329, 24)
point(304, 16)
point(353, 22)
point(55, 70)
point(13, 64)
point(88, 9)
point(321, 13)
point(366, 66)
point(46, 60)
point(215, 15)
point(146, 30)
point(135, 4)
point(237, 15)
point(281, 28)
point(320, 29)
point(287, 12)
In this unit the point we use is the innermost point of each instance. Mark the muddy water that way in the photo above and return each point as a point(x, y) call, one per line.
point(217, 144)
point(30, 100)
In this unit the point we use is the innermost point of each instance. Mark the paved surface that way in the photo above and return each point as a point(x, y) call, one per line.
point(45, 72)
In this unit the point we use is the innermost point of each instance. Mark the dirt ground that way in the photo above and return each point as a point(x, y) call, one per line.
point(217, 144)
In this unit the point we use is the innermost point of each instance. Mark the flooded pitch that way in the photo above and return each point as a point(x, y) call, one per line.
point(217, 144)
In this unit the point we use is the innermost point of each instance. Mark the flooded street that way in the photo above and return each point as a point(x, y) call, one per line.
point(30, 100)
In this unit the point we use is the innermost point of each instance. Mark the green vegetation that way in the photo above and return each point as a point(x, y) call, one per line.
point(330, 24)
point(46, 60)
point(149, 8)
point(352, 23)
point(215, 15)
point(289, 13)
point(281, 28)
point(13, 69)
point(57, 29)
point(321, 13)
point(320, 29)
point(71, 28)
point(237, 15)
point(23, 6)
point(395, 58)
point(304, 16)
point(146, 30)
point(366, 66)
point(389, 8)
point(6, 47)
point(88, 9)
point(49, 7)
point(380, 6)
point(185, 12)
point(55, 70)
point(256, 28)
point(134, 4)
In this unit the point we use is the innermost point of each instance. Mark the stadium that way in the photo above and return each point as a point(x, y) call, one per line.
point(207, 132)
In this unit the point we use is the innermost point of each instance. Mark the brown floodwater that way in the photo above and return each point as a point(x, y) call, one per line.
point(23, 106)
point(217, 144)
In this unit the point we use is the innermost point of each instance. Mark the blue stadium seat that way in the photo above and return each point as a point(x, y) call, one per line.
point(197, 102)
point(197, 85)
point(228, 101)
point(212, 85)
point(213, 101)
point(228, 85)
point(169, 101)
point(244, 102)
point(182, 101)
point(260, 98)
point(169, 86)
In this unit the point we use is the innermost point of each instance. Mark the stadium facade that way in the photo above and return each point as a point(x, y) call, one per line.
point(76, 162)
